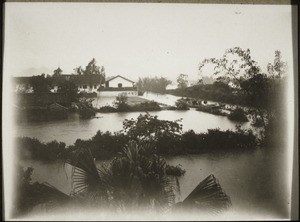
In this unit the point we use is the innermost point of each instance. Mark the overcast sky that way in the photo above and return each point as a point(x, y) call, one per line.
point(137, 40)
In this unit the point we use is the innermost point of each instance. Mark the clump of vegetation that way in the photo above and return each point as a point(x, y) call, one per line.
point(175, 170)
point(30, 194)
point(31, 148)
point(107, 109)
point(211, 109)
point(146, 106)
point(136, 179)
point(181, 104)
point(218, 91)
point(124, 107)
point(238, 115)
point(121, 104)
point(166, 138)
point(171, 108)
point(87, 95)
point(86, 109)
point(156, 85)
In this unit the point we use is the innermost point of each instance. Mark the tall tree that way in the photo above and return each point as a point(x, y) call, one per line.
point(70, 89)
point(79, 70)
point(157, 85)
point(93, 69)
point(278, 68)
point(235, 65)
point(182, 81)
point(57, 72)
point(40, 83)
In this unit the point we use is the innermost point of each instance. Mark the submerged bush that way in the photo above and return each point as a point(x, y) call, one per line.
point(238, 115)
point(211, 110)
point(181, 104)
point(146, 106)
point(107, 109)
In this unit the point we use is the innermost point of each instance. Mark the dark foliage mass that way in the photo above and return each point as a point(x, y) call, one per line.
point(181, 104)
point(166, 138)
point(211, 110)
point(121, 105)
point(238, 115)
point(136, 179)
point(34, 149)
point(30, 194)
point(218, 91)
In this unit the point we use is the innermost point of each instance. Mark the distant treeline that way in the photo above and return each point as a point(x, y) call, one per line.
point(219, 92)
point(156, 85)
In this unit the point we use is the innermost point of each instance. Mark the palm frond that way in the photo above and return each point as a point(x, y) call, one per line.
point(208, 195)
point(84, 174)
point(47, 195)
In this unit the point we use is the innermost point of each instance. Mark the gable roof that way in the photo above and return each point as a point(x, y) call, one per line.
point(114, 77)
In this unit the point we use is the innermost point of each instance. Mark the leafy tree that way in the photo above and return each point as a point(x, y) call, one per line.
point(121, 103)
point(70, 89)
point(57, 72)
point(93, 69)
point(157, 85)
point(182, 104)
point(238, 115)
point(182, 81)
point(235, 64)
point(79, 70)
point(278, 68)
point(40, 84)
point(260, 90)
point(150, 130)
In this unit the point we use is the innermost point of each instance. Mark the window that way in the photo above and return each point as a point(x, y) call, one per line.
point(119, 85)
point(84, 86)
point(95, 86)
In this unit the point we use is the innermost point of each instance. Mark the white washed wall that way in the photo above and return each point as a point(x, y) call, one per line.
point(116, 93)
point(116, 81)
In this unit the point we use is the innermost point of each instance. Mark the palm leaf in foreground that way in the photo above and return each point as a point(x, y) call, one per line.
point(207, 196)
point(85, 176)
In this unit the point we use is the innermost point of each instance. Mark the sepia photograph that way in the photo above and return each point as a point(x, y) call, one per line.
point(148, 111)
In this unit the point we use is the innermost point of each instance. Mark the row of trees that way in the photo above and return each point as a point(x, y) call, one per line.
point(157, 85)
point(165, 138)
point(44, 83)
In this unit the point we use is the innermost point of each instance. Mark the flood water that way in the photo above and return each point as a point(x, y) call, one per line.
point(255, 181)
point(69, 130)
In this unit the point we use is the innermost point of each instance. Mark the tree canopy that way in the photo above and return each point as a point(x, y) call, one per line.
point(182, 81)
point(157, 85)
